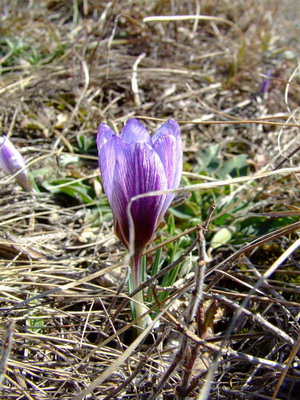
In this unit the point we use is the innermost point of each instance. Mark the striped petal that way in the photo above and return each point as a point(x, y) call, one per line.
point(109, 145)
point(167, 144)
point(134, 131)
point(138, 170)
point(12, 161)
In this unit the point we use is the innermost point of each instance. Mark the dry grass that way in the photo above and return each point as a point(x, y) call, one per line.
point(66, 326)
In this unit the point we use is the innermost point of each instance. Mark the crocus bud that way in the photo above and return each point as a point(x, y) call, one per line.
point(11, 161)
point(135, 163)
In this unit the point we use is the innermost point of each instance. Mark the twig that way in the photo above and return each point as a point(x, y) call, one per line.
point(177, 361)
point(196, 305)
point(290, 359)
point(6, 349)
point(134, 81)
point(197, 292)
point(224, 352)
point(185, 353)
point(257, 319)
point(124, 356)
point(139, 367)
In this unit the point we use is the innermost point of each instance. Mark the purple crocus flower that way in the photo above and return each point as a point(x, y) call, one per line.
point(11, 161)
point(135, 163)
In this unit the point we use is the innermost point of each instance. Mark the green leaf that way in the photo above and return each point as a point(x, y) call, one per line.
point(185, 211)
point(75, 189)
point(258, 226)
point(85, 145)
point(35, 324)
point(208, 158)
point(221, 237)
point(234, 167)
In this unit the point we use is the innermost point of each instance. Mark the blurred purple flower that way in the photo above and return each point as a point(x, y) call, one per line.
point(11, 161)
point(135, 163)
point(132, 164)
point(265, 83)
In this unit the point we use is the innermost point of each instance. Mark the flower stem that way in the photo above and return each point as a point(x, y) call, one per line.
point(137, 279)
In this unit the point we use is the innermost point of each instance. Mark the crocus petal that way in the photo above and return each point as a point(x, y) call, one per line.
point(104, 135)
point(12, 161)
point(168, 146)
point(134, 131)
point(109, 146)
point(170, 127)
point(138, 170)
point(169, 150)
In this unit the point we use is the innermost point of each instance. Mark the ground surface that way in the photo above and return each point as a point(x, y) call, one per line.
point(67, 66)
